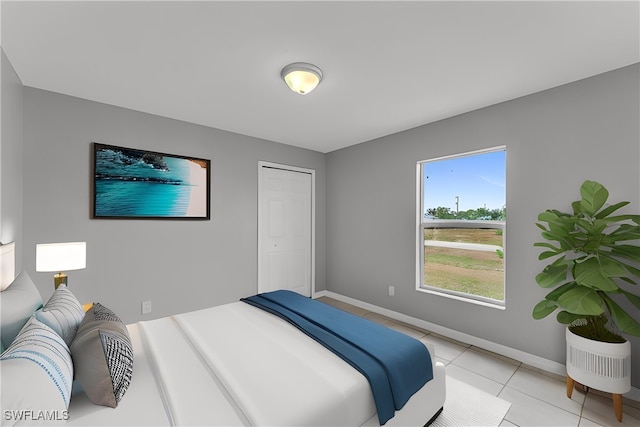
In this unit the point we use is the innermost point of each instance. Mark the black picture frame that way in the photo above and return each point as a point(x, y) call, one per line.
point(130, 183)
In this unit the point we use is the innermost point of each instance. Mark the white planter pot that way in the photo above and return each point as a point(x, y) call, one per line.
point(599, 365)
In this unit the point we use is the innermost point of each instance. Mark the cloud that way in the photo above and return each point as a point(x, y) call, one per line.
point(499, 184)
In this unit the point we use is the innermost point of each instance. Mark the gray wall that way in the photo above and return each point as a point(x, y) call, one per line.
point(555, 140)
point(11, 157)
point(179, 265)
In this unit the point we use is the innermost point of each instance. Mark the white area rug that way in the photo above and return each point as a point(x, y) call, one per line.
point(468, 406)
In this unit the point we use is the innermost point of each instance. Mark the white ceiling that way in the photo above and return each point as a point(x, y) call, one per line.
point(388, 66)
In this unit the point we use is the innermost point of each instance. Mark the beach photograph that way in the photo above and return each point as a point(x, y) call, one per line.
point(130, 183)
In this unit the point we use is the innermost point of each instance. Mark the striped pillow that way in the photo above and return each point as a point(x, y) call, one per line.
point(37, 371)
point(62, 313)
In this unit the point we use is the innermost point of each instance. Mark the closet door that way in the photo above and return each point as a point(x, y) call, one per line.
point(285, 229)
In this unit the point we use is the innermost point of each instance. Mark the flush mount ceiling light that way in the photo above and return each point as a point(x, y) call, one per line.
point(301, 77)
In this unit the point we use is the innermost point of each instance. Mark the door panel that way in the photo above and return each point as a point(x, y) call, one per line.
point(277, 220)
point(285, 234)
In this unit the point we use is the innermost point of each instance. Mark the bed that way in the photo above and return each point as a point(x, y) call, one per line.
point(229, 365)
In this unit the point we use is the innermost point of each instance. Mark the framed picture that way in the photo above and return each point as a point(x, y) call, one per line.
point(139, 184)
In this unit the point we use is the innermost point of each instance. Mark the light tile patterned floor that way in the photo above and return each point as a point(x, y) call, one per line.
point(537, 398)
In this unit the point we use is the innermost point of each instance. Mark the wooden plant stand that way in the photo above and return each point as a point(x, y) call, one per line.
point(617, 398)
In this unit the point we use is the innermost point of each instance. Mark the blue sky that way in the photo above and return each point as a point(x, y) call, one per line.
point(478, 180)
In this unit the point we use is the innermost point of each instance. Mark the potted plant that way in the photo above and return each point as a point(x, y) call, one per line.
point(596, 254)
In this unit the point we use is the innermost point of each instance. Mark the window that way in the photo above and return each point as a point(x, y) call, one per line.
point(461, 226)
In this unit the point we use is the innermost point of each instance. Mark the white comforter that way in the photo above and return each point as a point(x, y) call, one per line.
point(238, 365)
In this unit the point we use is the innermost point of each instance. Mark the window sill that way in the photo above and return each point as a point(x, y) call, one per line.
point(498, 305)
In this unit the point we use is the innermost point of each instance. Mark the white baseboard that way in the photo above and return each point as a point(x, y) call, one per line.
point(519, 355)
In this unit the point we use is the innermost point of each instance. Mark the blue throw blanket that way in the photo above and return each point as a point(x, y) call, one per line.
point(395, 364)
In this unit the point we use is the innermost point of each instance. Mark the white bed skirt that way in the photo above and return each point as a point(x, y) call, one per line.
point(238, 365)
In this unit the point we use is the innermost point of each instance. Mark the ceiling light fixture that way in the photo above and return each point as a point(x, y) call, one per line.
point(301, 77)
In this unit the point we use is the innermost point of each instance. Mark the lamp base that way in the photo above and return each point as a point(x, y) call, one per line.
point(59, 279)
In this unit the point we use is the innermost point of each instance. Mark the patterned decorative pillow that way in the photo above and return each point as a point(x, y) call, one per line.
point(62, 313)
point(37, 374)
point(103, 356)
point(17, 304)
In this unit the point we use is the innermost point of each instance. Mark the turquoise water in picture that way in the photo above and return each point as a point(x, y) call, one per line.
point(135, 183)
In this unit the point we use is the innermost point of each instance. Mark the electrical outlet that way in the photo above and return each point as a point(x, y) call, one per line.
point(392, 290)
point(146, 307)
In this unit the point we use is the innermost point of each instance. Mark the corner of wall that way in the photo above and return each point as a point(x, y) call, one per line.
point(11, 157)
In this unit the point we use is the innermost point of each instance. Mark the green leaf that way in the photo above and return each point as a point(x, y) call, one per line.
point(610, 209)
point(633, 298)
point(626, 251)
point(581, 300)
point(549, 235)
point(634, 271)
point(590, 246)
point(623, 233)
point(543, 309)
point(557, 220)
point(628, 280)
point(611, 267)
point(540, 226)
point(551, 276)
point(630, 217)
point(547, 245)
point(547, 216)
point(563, 238)
point(599, 225)
point(555, 235)
point(589, 274)
point(625, 323)
point(594, 196)
point(577, 207)
point(567, 318)
point(584, 225)
point(562, 261)
point(555, 294)
point(546, 254)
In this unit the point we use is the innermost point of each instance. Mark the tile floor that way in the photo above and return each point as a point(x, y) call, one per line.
point(537, 398)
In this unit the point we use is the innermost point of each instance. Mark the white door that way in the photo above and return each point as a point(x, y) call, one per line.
point(285, 228)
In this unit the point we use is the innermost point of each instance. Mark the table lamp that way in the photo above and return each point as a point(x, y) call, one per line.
point(61, 257)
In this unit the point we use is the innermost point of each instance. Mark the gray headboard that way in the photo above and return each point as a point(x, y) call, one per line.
point(7, 264)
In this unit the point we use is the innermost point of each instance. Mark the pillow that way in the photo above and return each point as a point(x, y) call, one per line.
point(17, 303)
point(62, 313)
point(37, 375)
point(103, 356)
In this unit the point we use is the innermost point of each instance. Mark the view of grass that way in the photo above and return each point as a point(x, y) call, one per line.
point(462, 270)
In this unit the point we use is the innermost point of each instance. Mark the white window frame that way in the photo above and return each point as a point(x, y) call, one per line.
point(421, 224)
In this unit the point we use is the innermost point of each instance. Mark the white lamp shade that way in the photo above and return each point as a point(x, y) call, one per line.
point(301, 77)
point(61, 256)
